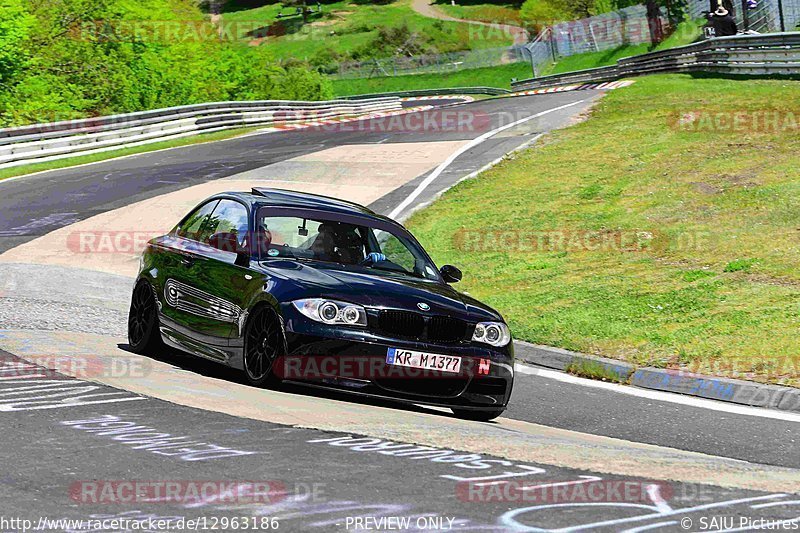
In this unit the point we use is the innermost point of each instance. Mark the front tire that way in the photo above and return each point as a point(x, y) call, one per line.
point(478, 416)
point(263, 344)
point(144, 335)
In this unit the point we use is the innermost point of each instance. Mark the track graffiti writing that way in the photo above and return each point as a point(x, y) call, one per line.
point(22, 388)
point(152, 440)
point(469, 461)
point(659, 514)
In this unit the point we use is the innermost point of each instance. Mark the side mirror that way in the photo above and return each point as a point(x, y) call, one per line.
point(242, 258)
point(229, 242)
point(450, 274)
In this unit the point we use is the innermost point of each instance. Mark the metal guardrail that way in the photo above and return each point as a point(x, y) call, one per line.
point(772, 54)
point(57, 140)
point(490, 91)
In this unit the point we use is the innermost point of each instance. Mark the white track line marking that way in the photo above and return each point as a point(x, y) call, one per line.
point(472, 144)
point(657, 515)
point(681, 399)
point(775, 504)
point(471, 175)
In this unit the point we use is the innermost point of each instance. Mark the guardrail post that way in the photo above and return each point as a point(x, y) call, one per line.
point(745, 16)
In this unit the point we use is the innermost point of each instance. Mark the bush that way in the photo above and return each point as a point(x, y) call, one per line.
point(327, 61)
point(57, 63)
point(396, 41)
point(537, 14)
point(15, 27)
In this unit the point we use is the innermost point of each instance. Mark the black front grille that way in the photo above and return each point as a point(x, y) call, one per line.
point(411, 325)
point(403, 324)
point(446, 329)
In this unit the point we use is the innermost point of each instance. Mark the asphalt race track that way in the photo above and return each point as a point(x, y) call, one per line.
point(566, 456)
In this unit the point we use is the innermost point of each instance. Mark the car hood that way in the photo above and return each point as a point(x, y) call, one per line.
point(373, 290)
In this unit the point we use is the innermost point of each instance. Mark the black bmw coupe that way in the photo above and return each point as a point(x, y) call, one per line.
point(296, 287)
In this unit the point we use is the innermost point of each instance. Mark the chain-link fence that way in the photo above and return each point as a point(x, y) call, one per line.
point(594, 34)
point(627, 26)
point(603, 32)
point(768, 16)
point(791, 14)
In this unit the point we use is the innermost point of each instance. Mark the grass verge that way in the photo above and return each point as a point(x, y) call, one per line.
point(492, 12)
point(113, 154)
point(598, 371)
point(638, 238)
point(485, 77)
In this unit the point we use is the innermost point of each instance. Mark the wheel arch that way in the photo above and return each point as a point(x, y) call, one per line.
point(262, 303)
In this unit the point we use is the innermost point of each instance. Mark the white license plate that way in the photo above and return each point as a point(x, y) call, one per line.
point(427, 361)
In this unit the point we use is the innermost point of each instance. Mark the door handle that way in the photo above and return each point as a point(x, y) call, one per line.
point(187, 261)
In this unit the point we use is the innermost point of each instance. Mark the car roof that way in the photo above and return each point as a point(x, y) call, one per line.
point(264, 196)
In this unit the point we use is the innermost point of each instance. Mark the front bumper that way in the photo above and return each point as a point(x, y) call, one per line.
point(355, 359)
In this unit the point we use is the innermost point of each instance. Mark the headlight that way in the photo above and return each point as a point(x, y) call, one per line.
point(494, 333)
point(332, 311)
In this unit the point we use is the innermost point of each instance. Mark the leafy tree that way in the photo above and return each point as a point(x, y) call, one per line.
point(15, 26)
point(537, 14)
point(63, 59)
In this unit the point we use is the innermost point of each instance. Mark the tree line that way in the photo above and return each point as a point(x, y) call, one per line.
point(67, 59)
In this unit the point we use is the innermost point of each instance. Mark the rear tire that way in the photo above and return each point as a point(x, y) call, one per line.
point(478, 416)
point(144, 335)
point(263, 345)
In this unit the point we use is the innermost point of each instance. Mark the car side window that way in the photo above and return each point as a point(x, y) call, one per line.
point(395, 251)
point(193, 225)
point(227, 226)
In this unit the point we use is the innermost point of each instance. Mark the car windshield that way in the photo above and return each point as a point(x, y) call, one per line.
point(342, 239)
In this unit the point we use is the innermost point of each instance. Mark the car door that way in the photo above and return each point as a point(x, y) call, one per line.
point(175, 253)
point(211, 289)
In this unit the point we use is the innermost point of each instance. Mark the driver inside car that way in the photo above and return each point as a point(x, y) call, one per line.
point(339, 243)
